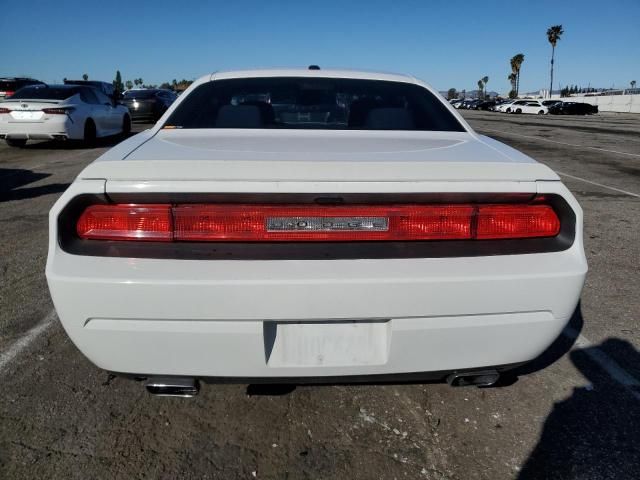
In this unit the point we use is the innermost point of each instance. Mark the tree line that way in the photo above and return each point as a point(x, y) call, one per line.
point(121, 86)
point(554, 33)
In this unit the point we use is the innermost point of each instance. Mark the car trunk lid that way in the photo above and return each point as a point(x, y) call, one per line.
point(317, 156)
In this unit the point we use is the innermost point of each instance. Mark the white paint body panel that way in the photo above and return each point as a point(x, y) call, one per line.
point(313, 318)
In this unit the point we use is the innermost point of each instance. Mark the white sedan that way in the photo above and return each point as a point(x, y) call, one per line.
point(60, 112)
point(529, 106)
point(313, 224)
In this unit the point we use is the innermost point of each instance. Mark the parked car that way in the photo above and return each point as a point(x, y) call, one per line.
point(233, 240)
point(60, 112)
point(504, 107)
point(548, 103)
point(457, 103)
point(9, 85)
point(573, 108)
point(529, 106)
point(105, 87)
point(148, 104)
point(486, 105)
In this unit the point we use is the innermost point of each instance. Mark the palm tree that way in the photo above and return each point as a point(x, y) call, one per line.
point(553, 35)
point(485, 80)
point(512, 78)
point(85, 77)
point(633, 84)
point(516, 65)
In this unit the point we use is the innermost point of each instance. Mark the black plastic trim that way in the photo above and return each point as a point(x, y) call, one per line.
point(71, 243)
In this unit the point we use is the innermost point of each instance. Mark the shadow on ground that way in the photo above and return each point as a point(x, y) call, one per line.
point(595, 433)
point(13, 179)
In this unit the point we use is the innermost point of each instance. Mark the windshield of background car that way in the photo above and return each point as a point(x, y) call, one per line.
point(313, 103)
point(44, 93)
point(139, 94)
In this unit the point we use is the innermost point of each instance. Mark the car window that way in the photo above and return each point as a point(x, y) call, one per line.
point(139, 94)
point(37, 92)
point(88, 95)
point(102, 98)
point(313, 103)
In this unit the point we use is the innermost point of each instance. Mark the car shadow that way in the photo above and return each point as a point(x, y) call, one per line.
point(595, 433)
point(12, 180)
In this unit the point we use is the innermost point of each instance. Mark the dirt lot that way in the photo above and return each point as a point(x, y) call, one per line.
point(572, 414)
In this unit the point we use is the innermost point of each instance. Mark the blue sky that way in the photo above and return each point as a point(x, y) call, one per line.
point(448, 44)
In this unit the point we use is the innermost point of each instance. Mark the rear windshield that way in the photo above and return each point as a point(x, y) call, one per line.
point(15, 84)
point(313, 103)
point(139, 94)
point(44, 93)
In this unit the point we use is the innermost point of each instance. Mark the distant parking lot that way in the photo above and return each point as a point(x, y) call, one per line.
point(573, 413)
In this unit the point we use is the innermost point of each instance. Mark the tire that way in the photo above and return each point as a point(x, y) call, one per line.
point(16, 142)
point(541, 112)
point(126, 126)
point(90, 134)
point(519, 110)
point(508, 110)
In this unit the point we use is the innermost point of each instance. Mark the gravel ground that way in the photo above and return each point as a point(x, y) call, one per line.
point(569, 415)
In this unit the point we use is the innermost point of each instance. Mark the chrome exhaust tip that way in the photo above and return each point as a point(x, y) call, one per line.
point(478, 378)
point(184, 387)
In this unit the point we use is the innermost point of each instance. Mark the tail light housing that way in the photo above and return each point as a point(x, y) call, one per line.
point(58, 111)
point(313, 223)
point(4, 110)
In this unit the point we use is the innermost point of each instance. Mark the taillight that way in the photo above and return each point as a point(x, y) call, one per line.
point(8, 93)
point(286, 223)
point(126, 222)
point(4, 110)
point(517, 221)
point(57, 111)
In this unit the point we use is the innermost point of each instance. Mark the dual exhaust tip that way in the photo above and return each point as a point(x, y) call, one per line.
point(188, 387)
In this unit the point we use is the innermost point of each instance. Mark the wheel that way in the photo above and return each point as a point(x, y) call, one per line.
point(508, 110)
point(90, 133)
point(126, 126)
point(541, 112)
point(16, 142)
point(519, 110)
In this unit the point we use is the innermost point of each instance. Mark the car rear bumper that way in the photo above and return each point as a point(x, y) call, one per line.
point(312, 318)
point(59, 128)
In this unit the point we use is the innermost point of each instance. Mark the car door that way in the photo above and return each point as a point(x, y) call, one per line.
point(97, 111)
point(113, 114)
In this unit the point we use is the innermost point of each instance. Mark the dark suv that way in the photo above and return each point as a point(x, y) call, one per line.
point(9, 85)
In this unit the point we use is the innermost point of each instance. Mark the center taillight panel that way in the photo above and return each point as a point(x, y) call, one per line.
point(312, 223)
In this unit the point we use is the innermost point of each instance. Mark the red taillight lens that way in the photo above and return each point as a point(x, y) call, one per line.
point(57, 111)
point(259, 223)
point(4, 110)
point(126, 222)
point(8, 93)
point(312, 223)
point(517, 221)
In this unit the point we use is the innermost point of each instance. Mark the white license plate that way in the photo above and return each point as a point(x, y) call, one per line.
point(18, 115)
point(331, 344)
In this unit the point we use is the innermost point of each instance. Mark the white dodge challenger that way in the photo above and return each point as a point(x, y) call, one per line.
point(304, 225)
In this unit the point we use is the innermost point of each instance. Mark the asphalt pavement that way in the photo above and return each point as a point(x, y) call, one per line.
point(573, 413)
